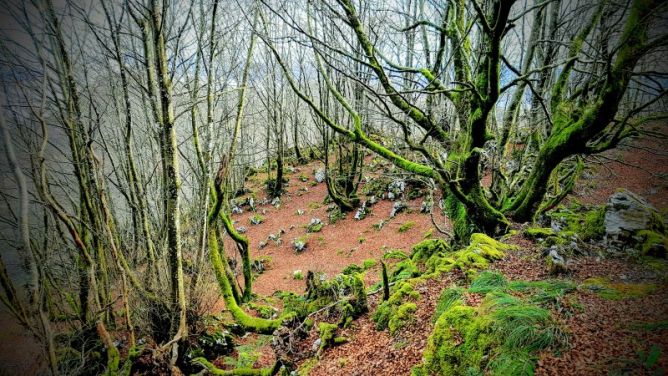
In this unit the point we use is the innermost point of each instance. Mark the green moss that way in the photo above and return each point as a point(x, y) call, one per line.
point(388, 311)
point(307, 366)
point(535, 233)
point(477, 256)
point(427, 248)
point(404, 270)
point(618, 291)
point(588, 224)
point(395, 254)
point(256, 219)
point(369, 263)
point(428, 234)
point(403, 316)
point(406, 226)
point(653, 243)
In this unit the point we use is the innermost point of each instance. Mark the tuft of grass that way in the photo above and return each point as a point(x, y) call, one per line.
point(406, 226)
point(488, 281)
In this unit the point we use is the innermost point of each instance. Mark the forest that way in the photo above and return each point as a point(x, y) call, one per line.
point(334, 187)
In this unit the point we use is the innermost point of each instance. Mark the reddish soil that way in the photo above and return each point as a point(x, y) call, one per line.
point(336, 246)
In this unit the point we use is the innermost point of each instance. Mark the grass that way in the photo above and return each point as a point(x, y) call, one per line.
point(406, 226)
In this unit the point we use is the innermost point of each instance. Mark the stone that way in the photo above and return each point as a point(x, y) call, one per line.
point(241, 230)
point(300, 212)
point(236, 210)
point(426, 206)
point(626, 212)
point(361, 212)
point(320, 175)
point(299, 245)
point(316, 345)
point(397, 207)
point(262, 244)
point(276, 202)
point(627, 217)
point(555, 262)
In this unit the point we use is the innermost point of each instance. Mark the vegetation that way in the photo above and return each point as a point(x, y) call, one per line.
point(142, 136)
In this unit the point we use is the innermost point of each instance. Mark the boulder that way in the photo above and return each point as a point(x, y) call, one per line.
point(628, 218)
point(320, 175)
point(556, 263)
point(626, 213)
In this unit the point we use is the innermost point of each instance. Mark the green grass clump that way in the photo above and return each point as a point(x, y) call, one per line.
point(488, 281)
point(406, 226)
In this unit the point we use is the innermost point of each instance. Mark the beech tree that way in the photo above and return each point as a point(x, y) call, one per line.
point(582, 92)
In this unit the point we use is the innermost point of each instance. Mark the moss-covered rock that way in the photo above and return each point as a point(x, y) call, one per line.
point(501, 336)
point(388, 311)
point(328, 336)
point(653, 243)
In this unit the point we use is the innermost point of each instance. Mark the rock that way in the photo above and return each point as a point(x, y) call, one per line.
point(556, 264)
point(300, 212)
point(290, 169)
point(627, 212)
point(397, 207)
point(299, 245)
point(320, 175)
point(315, 225)
point(236, 210)
point(390, 195)
point(276, 202)
point(262, 244)
point(316, 345)
point(241, 230)
point(258, 266)
point(627, 217)
point(426, 206)
point(251, 203)
point(372, 200)
point(361, 212)
point(397, 187)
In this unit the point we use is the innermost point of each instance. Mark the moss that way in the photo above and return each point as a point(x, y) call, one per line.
point(404, 270)
point(307, 366)
point(653, 243)
point(427, 248)
point(428, 234)
point(403, 316)
point(212, 369)
point(618, 291)
point(535, 233)
point(388, 310)
point(256, 219)
point(369, 263)
point(476, 256)
point(406, 226)
point(395, 254)
point(588, 224)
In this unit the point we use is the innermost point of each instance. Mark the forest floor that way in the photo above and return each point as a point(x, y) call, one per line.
point(606, 336)
point(620, 336)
